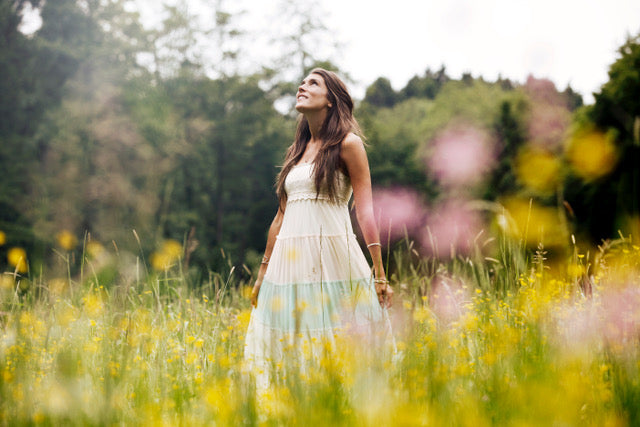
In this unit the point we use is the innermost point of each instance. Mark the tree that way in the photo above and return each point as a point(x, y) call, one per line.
point(222, 184)
point(604, 205)
point(426, 86)
point(510, 133)
point(380, 93)
point(32, 75)
point(305, 38)
point(174, 45)
point(88, 175)
point(574, 99)
point(302, 40)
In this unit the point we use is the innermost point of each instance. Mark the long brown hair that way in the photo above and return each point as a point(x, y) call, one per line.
point(337, 125)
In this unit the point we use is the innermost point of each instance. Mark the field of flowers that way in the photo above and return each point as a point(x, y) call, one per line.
point(493, 337)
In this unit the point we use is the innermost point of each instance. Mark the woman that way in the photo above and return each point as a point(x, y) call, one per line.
point(314, 282)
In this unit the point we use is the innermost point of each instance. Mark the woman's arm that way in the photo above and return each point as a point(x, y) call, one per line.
point(354, 156)
point(274, 229)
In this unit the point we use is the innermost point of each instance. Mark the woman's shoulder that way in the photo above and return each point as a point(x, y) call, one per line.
point(352, 151)
point(352, 142)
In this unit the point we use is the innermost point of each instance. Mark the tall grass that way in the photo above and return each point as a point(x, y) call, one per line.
point(494, 336)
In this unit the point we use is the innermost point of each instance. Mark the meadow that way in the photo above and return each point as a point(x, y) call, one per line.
point(501, 335)
point(505, 312)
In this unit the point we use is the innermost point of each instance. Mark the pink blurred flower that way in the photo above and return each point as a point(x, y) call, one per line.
point(548, 125)
point(620, 314)
point(576, 326)
point(461, 155)
point(550, 116)
point(397, 211)
point(611, 316)
point(543, 91)
point(448, 299)
point(451, 229)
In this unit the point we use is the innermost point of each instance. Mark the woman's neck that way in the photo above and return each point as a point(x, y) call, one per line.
point(315, 120)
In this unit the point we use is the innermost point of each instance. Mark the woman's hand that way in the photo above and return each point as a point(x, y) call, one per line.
point(254, 293)
point(385, 293)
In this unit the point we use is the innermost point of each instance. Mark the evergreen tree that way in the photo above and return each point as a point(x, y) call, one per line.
point(605, 205)
point(32, 73)
point(381, 94)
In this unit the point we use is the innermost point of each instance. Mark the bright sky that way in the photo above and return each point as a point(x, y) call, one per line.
point(568, 41)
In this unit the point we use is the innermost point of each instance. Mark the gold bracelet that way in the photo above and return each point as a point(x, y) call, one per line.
point(374, 244)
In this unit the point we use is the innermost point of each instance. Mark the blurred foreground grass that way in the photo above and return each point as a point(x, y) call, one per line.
point(482, 340)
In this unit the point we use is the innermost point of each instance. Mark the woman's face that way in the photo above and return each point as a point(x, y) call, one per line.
point(312, 94)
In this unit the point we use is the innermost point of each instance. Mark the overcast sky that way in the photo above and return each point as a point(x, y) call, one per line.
point(568, 41)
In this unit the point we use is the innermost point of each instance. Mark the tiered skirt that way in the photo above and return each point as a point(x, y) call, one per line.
point(318, 287)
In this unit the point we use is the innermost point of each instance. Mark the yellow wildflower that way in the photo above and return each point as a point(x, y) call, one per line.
point(191, 357)
point(7, 282)
point(95, 249)
point(538, 170)
point(17, 257)
point(66, 240)
point(169, 253)
point(535, 223)
point(592, 154)
point(93, 305)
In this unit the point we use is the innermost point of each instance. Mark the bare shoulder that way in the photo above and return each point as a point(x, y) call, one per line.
point(354, 155)
point(352, 145)
point(352, 141)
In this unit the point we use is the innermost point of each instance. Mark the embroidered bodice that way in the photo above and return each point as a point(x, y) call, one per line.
point(299, 185)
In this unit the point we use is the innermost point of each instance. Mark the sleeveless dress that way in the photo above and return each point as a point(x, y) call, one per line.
point(318, 285)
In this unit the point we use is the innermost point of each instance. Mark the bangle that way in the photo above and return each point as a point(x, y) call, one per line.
point(385, 281)
point(374, 244)
point(265, 260)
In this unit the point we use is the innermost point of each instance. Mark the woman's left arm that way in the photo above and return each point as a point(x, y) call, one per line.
point(354, 157)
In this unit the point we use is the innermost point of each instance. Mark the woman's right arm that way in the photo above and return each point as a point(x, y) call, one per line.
point(274, 229)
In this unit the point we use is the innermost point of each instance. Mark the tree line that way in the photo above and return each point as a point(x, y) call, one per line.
point(108, 127)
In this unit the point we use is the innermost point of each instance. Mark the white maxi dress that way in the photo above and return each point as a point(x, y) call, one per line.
point(318, 284)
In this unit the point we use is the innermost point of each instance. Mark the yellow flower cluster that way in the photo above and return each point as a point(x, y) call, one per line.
point(148, 357)
point(591, 153)
point(66, 240)
point(167, 255)
point(17, 257)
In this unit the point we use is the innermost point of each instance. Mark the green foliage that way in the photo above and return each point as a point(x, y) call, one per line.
point(156, 349)
point(476, 103)
point(381, 94)
point(509, 131)
point(162, 152)
point(617, 104)
point(393, 136)
point(574, 99)
point(609, 204)
point(426, 86)
point(107, 127)
point(224, 179)
point(400, 136)
point(33, 74)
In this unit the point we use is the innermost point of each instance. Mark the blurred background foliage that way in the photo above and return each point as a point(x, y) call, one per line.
point(108, 127)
